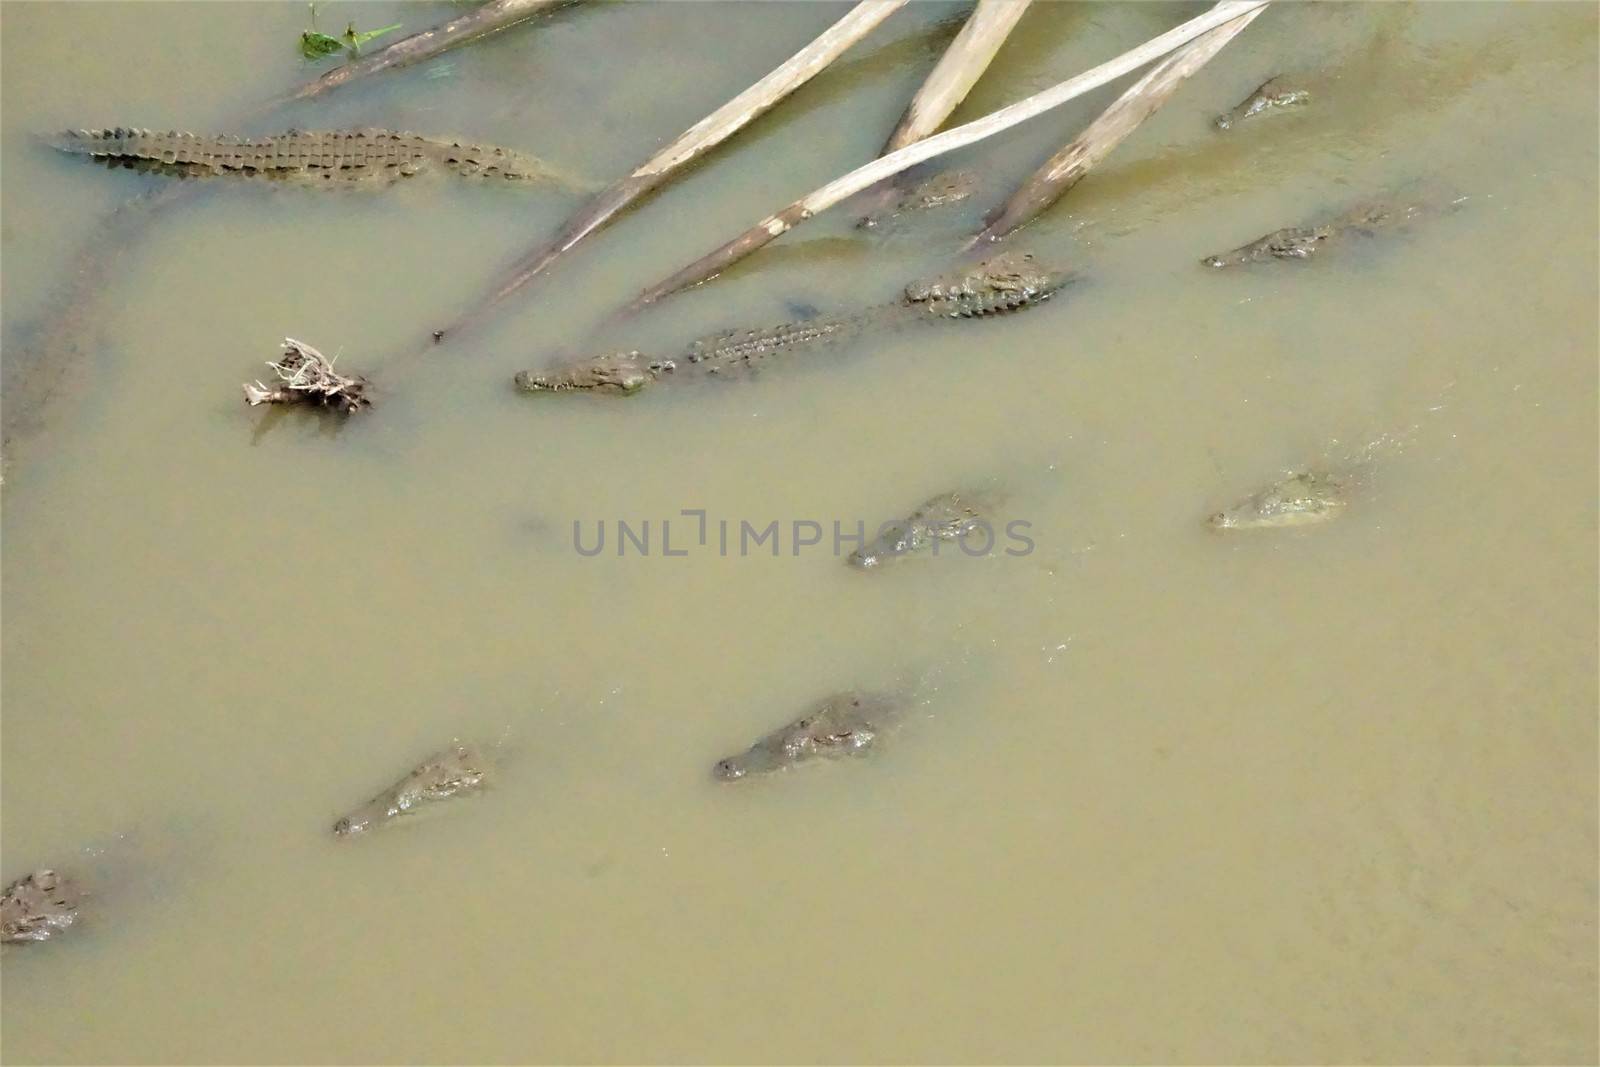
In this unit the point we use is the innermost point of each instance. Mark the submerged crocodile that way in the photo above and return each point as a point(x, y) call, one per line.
point(1272, 94)
point(1010, 281)
point(1301, 242)
point(454, 772)
point(945, 187)
point(362, 155)
point(845, 724)
point(1298, 500)
point(946, 517)
point(38, 906)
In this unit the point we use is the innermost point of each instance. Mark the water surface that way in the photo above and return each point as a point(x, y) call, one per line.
point(1325, 795)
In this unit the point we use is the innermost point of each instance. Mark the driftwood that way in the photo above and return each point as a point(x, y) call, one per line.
point(493, 16)
point(306, 376)
point(693, 142)
point(1068, 166)
point(781, 222)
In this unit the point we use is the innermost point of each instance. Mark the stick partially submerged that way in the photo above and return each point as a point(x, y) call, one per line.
point(775, 225)
point(495, 15)
point(957, 71)
point(1068, 166)
point(693, 142)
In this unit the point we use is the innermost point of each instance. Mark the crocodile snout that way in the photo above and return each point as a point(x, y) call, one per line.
point(728, 770)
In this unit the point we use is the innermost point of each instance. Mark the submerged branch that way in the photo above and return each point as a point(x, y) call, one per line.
point(781, 222)
point(493, 16)
point(1068, 166)
point(693, 142)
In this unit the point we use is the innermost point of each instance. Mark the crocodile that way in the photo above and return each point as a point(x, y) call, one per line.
point(1010, 281)
point(348, 156)
point(945, 187)
point(1270, 95)
point(38, 906)
point(844, 724)
point(454, 772)
point(1298, 500)
point(946, 517)
point(1302, 242)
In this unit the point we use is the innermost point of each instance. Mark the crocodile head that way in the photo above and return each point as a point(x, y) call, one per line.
point(615, 372)
point(761, 758)
point(1298, 500)
point(795, 743)
point(1008, 280)
point(364, 818)
point(843, 724)
point(1295, 242)
point(37, 907)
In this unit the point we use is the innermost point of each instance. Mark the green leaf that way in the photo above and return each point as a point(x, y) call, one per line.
point(314, 45)
point(356, 40)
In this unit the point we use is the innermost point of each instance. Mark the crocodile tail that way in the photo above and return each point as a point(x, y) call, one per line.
point(114, 141)
point(80, 142)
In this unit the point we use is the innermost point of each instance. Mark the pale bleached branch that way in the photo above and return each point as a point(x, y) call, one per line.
point(957, 71)
point(306, 376)
point(692, 143)
point(1068, 166)
point(781, 222)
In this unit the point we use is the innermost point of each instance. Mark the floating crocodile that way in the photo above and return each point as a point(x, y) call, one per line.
point(1301, 242)
point(1298, 500)
point(1010, 281)
point(1270, 95)
point(845, 724)
point(946, 517)
point(38, 906)
point(351, 156)
point(454, 772)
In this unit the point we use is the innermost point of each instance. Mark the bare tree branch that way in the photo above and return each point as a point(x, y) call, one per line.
point(306, 376)
point(781, 222)
point(1068, 166)
point(957, 71)
point(693, 142)
point(495, 15)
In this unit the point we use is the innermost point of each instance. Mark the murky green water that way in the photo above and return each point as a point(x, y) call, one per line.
point(1322, 795)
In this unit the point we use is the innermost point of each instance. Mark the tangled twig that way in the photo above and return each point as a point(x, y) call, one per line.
point(306, 376)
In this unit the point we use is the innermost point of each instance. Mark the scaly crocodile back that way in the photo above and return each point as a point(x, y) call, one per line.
point(737, 349)
point(997, 302)
point(335, 155)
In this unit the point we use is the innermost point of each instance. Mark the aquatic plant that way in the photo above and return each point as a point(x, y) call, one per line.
point(495, 15)
point(315, 45)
